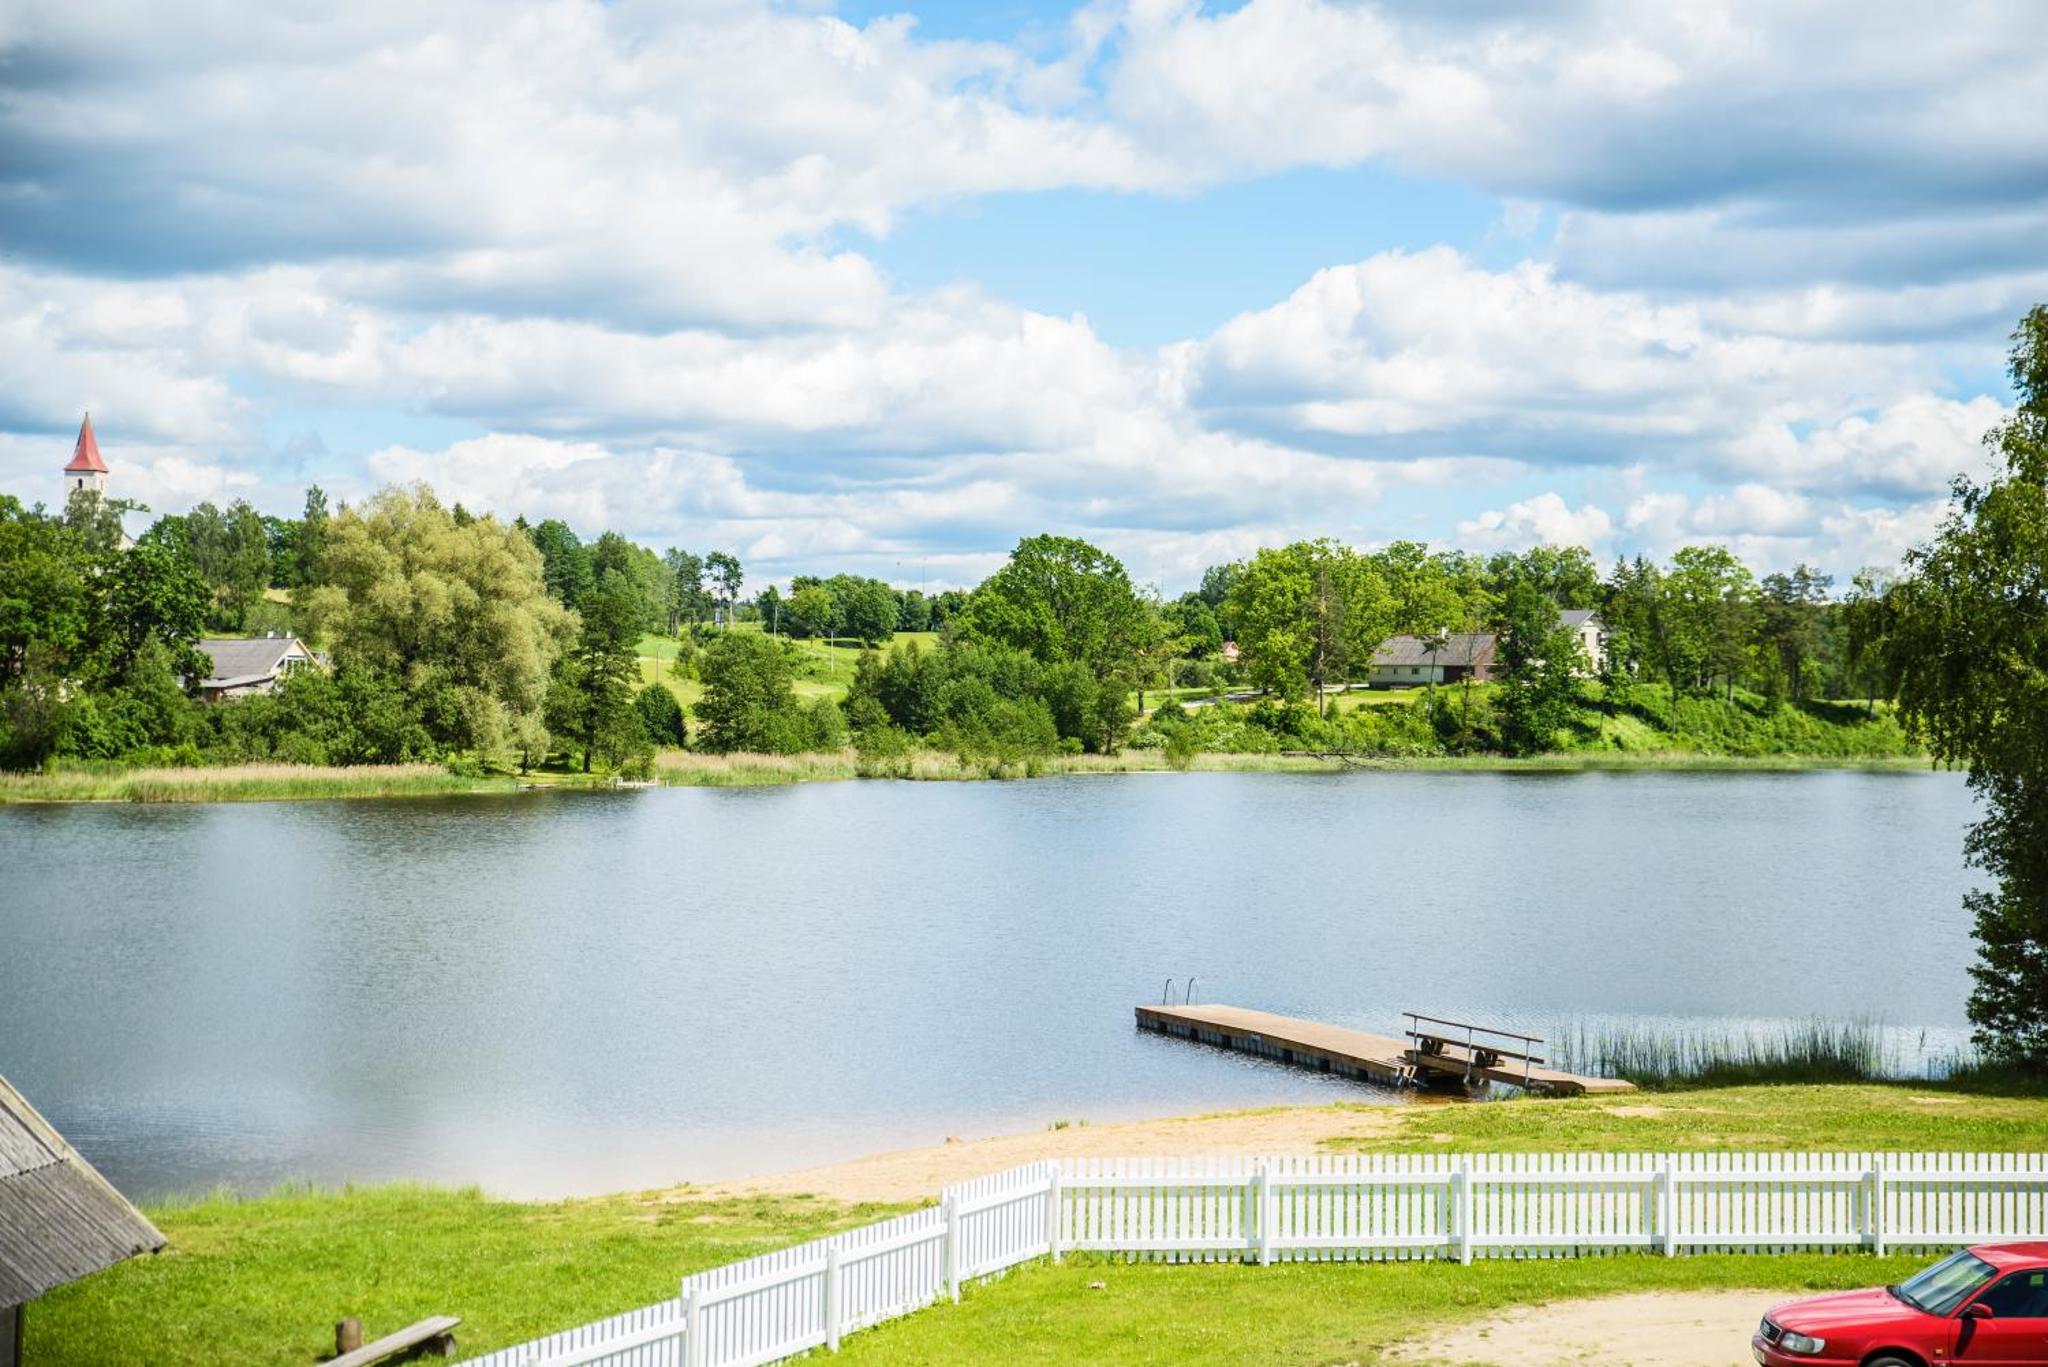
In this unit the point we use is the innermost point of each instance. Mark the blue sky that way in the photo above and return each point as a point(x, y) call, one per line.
point(856, 286)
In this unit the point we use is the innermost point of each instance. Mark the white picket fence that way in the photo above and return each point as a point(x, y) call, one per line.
point(1329, 1207)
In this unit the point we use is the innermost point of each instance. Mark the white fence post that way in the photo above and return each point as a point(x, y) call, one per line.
point(1053, 1213)
point(1667, 1210)
point(1873, 1215)
point(693, 1326)
point(1461, 1211)
point(832, 1312)
point(1262, 1189)
point(952, 1210)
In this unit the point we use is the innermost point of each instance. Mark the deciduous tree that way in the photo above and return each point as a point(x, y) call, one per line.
point(1969, 641)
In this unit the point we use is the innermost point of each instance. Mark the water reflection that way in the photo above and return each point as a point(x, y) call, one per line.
point(583, 991)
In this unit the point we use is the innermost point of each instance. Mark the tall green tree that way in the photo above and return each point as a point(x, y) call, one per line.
point(749, 702)
point(591, 701)
point(565, 561)
point(1063, 601)
point(311, 548)
point(1969, 643)
point(248, 563)
point(809, 610)
point(1866, 624)
point(1790, 617)
point(1706, 602)
point(686, 598)
point(865, 609)
point(1566, 575)
point(1541, 660)
point(722, 570)
point(456, 615)
point(1309, 615)
point(1431, 593)
point(45, 594)
point(149, 594)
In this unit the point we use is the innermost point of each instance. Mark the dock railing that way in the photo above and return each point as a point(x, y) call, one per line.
point(1317, 1209)
point(1483, 1044)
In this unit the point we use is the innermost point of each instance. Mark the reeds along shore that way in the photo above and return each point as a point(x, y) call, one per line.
point(1813, 1051)
point(242, 783)
point(686, 768)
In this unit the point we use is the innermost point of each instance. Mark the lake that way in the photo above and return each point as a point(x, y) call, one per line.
point(574, 992)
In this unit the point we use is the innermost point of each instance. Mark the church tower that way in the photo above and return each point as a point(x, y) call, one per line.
point(86, 470)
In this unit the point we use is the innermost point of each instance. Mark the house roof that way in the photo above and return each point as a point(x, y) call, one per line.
point(85, 457)
point(1577, 617)
point(1459, 648)
point(59, 1219)
point(244, 661)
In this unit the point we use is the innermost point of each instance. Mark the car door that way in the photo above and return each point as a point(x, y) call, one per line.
point(2016, 1335)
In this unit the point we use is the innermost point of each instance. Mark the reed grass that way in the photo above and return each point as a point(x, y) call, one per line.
point(1662, 1059)
point(687, 768)
point(242, 783)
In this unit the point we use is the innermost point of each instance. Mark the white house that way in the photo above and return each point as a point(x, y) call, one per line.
point(1411, 661)
point(254, 665)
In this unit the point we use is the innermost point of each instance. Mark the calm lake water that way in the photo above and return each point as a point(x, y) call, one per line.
point(581, 992)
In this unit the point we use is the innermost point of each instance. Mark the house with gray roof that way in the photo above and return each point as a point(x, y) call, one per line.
point(1412, 661)
point(252, 665)
point(59, 1219)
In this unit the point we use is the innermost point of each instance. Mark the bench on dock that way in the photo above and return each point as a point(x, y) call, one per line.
point(1461, 1047)
point(435, 1335)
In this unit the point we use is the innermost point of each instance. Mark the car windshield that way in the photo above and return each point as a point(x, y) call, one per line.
point(1947, 1284)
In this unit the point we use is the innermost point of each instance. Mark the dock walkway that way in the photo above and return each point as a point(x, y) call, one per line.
point(1353, 1053)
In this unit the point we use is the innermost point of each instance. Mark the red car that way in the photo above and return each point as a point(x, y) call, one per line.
point(1982, 1305)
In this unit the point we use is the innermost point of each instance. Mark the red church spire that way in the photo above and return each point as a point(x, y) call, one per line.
point(86, 457)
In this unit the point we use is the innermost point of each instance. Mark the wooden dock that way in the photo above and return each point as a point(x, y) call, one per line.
point(1359, 1054)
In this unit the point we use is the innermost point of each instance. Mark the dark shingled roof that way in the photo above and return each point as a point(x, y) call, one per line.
point(1459, 648)
point(59, 1219)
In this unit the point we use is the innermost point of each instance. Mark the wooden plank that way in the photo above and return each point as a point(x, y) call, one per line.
point(1309, 1043)
point(412, 1336)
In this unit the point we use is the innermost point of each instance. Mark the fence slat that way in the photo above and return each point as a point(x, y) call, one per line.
point(1341, 1206)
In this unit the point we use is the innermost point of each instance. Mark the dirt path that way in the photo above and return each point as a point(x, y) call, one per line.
point(914, 1174)
point(1657, 1329)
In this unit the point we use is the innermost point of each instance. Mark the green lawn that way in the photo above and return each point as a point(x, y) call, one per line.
point(1850, 1118)
point(262, 1281)
point(827, 666)
point(1227, 1314)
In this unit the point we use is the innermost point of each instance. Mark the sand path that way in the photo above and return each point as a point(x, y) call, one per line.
point(915, 1174)
point(1656, 1329)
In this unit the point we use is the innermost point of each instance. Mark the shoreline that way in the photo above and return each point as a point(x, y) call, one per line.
point(689, 769)
point(1761, 1116)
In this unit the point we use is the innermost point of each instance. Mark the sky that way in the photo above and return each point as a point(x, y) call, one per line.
point(880, 288)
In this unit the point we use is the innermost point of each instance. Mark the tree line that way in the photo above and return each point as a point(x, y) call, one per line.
point(452, 634)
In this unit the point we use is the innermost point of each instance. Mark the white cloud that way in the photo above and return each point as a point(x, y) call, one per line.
point(1775, 530)
point(612, 239)
point(1849, 109)
point(1545, 520)
point(1409, 353)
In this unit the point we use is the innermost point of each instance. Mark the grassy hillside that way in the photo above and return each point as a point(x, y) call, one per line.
point(1646, 720)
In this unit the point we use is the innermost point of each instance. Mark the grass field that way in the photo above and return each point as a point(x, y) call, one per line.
point(827, 666)
point(262, 1281)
